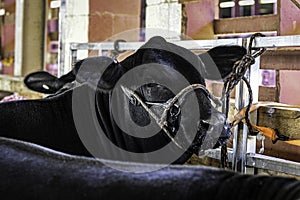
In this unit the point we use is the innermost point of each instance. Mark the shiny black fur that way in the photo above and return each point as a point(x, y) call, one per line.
point(28, 171)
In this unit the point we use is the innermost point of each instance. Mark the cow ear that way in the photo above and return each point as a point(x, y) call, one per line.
point(43, 82)
point(218, 62)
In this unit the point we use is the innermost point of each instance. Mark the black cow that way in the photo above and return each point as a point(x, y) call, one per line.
point(28, 171)
point(50, 121)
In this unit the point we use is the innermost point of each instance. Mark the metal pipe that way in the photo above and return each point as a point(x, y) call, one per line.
point(240, 131)
point(240, 135)
point(62, 32)
point(268, 42)
point(73, 56)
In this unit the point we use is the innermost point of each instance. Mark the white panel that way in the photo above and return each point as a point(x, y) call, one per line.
point(74, 25)
point(164, 19)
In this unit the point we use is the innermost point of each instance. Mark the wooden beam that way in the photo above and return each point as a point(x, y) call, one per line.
point(281, 60)
point(246, 24)
point(265, 93)
point(280, 150)
point(285, 120)
point(268, 94)
point(15, 84)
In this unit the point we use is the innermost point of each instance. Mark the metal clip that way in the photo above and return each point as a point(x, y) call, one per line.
point(261, 137)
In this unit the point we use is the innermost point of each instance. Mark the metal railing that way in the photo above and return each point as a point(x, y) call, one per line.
point(243, 154)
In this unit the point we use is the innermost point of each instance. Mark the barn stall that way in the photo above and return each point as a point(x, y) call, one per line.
point(266, 118)
point(281, 55)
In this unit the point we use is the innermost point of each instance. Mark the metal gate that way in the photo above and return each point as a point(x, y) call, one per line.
point(243, 154)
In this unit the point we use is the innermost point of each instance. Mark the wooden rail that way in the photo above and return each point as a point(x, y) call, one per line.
point(281, 59)
point(266, 23)
point(15, 84)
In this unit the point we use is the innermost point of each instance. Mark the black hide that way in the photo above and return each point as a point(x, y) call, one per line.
point(28, 171)
point(48, 122)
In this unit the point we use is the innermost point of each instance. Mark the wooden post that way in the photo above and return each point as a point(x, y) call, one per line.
point(163, 18)
point(30, 36)
point(73, 27)
point(236, 11)
point(256, 7)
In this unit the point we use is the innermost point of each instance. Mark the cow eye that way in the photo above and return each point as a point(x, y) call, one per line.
point(46, 87)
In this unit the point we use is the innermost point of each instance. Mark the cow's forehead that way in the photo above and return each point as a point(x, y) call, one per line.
point(160, 43)
point(96, 61)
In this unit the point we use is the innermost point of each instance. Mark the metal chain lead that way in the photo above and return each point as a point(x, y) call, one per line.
point(239, 70)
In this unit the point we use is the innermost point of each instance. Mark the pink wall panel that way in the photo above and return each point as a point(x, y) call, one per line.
point(289, 18)
point(290, 87)
point(200, 16)
point(108, 18)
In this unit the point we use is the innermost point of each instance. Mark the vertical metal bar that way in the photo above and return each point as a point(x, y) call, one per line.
point(73, 56)
point(251, 149)
point(240, 135)
point(277, 86)
point(19, 37)
point(241, 144)
point(254, 82)
point(100, 52)
point(62, 30)
point(240, 131)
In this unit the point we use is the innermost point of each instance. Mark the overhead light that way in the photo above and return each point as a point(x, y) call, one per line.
point(228, 4)
point(2, 11)
point(267, 1)
point(55, 4)
point(247, 3)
